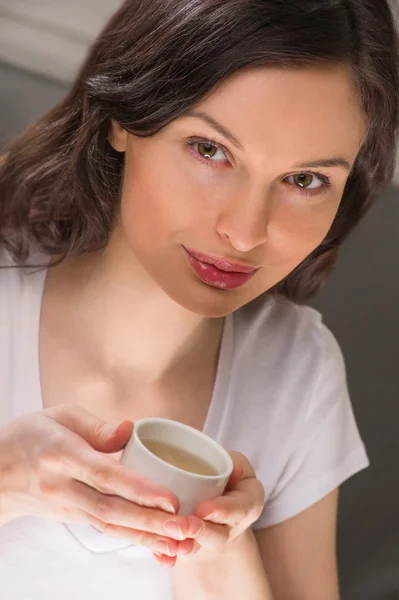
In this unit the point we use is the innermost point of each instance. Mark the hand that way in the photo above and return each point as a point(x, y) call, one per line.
point(54, 465)
point(230, 515)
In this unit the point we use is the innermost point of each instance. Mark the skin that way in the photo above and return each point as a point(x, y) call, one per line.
point(248, 209)
point(136, 311)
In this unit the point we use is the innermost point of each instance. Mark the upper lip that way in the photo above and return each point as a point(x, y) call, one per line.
point(222, 263)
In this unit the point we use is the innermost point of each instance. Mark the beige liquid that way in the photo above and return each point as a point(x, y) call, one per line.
point(180, 458)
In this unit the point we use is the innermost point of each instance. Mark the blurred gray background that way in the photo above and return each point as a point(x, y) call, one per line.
point(360, 303)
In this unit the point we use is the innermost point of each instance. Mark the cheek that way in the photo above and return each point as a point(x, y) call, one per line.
point(294, 233)
point(151, 204)
point(161, 196)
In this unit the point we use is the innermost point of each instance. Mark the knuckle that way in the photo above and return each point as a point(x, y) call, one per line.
point(46, 459)
point(140, 499)
point(142, 538)
point(97, 427)
point(146, 539)
point(50, 455)
point(101, 478)
point(237, 520)
point(103, 527)
point(247, 514)
point(223, 516)
point(46, 488)
point(148, 521)
point(103, 509)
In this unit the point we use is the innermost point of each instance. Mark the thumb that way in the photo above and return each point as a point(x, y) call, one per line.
point(113, 438)
point(101, 435)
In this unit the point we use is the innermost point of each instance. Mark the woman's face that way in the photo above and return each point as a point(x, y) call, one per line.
point(253, 174)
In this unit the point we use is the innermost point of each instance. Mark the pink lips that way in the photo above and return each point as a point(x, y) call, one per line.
point(219, 272)
point(222, 263)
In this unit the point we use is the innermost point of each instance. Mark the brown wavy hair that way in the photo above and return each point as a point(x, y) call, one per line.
point(60, 180)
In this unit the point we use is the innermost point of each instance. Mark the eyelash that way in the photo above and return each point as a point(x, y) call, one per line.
point(214, 165)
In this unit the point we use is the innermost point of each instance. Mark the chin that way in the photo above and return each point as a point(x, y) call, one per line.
point(207, 301)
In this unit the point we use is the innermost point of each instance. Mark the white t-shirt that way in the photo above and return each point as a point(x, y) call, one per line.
point(280, 398)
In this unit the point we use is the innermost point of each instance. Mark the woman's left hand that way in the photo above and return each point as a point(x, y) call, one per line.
point(228, 516)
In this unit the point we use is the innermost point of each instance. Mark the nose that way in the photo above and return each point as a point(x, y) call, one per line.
point(244, 222)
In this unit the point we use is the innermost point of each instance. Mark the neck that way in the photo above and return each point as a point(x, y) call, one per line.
point(128, 327)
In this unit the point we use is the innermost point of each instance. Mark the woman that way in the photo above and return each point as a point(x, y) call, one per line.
point(193, 187)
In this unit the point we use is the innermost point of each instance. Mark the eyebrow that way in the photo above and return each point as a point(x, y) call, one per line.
point(217, 126)
point(326, 163)
point(314, 164)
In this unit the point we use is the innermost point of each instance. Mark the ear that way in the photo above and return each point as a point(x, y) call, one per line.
point(117, 137)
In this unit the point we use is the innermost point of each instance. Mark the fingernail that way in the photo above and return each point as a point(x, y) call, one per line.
point(196, 548)
point(174, 530)
point(212, 517)
point(183, 551)
point(162, 547)
point(196, 527)
point(166, 506)
point(198, 533)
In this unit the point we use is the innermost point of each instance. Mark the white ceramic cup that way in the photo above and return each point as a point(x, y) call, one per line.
point(190, 488)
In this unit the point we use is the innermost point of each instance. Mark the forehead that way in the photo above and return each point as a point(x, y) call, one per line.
point(298, 112)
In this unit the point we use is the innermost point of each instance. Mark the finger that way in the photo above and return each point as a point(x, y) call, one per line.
point(236, 475)
point(101, 435)
point(117, 511)
point(159, 545)
point(166, 561)
point(248, 471)
point(74, 458)
point(214, 536)
point(169, 561)
point(241, 506)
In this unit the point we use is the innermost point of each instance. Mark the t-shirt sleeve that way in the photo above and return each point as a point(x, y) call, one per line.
point(327, 449)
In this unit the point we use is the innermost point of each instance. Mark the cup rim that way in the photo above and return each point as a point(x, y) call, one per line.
point(178, 425)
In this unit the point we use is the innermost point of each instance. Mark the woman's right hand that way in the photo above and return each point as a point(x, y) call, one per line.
point(54, 465)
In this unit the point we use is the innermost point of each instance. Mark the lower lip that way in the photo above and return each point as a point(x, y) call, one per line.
point(215, 277)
